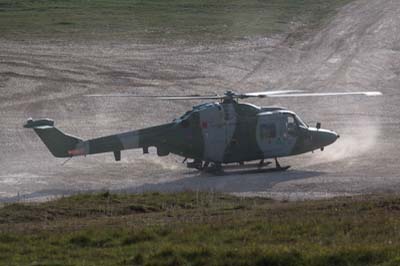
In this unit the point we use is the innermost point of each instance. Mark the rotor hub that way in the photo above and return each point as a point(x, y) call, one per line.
point(230, 96)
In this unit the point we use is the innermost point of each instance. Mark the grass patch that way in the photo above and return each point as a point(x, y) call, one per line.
point(158, 20)
point(200, 229)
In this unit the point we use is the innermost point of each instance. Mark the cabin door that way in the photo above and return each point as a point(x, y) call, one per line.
point(272, 135)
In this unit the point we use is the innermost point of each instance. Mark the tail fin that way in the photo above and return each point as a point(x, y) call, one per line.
point(59, 144)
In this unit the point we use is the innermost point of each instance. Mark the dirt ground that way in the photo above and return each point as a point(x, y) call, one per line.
point(358, 50)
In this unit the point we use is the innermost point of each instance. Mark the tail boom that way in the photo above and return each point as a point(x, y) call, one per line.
point(64, 145)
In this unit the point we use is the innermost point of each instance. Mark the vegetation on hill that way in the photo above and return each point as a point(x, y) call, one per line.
point(200, 229)
point(155, 20)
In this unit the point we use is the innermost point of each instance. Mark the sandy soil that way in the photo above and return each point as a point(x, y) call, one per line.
point(358, 50)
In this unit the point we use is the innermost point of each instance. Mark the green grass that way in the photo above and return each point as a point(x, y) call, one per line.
point(200, 229)
point(157, 20)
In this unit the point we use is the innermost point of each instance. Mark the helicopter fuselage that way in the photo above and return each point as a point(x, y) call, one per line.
point(219, 132)
point(238, 132)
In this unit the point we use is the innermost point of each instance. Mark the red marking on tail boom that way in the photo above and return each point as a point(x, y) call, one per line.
point(76, 152)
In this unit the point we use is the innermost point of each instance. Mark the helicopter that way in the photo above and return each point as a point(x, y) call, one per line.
point(224, 131)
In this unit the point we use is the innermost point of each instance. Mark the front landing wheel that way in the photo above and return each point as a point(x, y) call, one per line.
point(278, 167)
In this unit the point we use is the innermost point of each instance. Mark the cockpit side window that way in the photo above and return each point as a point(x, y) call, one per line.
point(291, 124)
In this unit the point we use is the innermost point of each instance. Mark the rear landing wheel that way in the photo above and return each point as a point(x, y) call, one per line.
point(197, 164)
point(262, 163)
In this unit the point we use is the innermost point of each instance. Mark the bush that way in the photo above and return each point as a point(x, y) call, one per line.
point(81, 241)
point(141, 236)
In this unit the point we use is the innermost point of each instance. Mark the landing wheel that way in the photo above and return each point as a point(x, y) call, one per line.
point(197, 164)
point(278, 167)
point(261, 164)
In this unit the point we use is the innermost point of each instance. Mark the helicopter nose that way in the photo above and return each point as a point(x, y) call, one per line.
point(325, 137)
point(330, 137)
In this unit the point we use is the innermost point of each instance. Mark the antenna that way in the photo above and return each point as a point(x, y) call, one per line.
point(66, 161)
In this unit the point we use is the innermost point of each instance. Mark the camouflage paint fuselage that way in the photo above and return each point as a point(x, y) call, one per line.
point(224, 132)
point(233, 132)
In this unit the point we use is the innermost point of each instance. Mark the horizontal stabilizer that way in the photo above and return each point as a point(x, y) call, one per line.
point(59, 143)
point(30, 123)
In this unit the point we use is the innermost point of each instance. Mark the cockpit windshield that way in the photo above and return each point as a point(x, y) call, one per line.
point(300, 122)
point(293, 123)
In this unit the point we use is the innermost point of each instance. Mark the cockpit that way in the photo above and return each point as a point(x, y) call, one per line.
point(296, 120)
point(293, 123)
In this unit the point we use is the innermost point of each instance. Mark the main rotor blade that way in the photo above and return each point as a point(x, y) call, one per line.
point(216, 97)
point(230, 95)
point(164, 97)
point(119, 95)
point(317, 94)
point(268, 93)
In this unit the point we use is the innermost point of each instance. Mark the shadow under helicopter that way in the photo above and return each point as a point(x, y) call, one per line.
point(236, 181)
point(230, 181)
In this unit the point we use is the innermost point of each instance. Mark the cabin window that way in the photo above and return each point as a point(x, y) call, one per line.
point(267, 131)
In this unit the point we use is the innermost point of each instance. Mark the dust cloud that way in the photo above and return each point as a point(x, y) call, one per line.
point(351, 145)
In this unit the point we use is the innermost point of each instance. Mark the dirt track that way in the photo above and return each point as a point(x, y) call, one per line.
point(358, 50)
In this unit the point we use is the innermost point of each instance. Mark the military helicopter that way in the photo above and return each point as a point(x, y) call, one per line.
point(211, 134)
